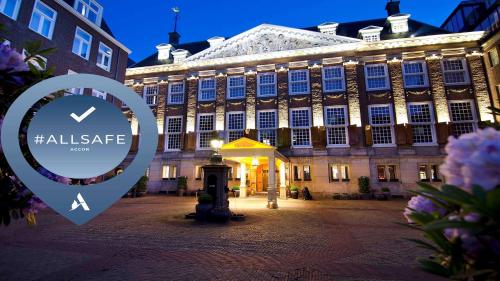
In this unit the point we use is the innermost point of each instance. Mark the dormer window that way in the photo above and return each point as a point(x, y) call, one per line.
point(399, 23)
point(371, 33)
point(90, 9)
point(328, 28)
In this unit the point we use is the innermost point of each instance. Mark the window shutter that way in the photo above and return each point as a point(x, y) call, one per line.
point(318, 137)
point(368, 135)
point(354, 134)
point(190, 141)
point(400, 134)
point(409, 134)
point(443, 132)
point(251, 134)
point(161, 142)
point(284, 138)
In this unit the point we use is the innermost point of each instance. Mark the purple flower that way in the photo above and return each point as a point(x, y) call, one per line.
point(419, 204)
point(35, 205)
point(11, 60)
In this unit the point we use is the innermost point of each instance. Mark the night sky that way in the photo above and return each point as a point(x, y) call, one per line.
point(141, 25)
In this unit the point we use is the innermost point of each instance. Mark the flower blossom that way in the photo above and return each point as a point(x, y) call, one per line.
point(420, 203)
point(11, 60)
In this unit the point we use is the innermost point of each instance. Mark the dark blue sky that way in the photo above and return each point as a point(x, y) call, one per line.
point(142, 24)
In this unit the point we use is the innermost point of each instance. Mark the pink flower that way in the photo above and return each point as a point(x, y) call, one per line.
point(11, 60)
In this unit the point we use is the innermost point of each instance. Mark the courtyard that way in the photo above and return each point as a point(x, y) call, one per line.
point(148, 239)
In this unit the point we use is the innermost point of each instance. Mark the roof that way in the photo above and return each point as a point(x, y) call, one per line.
point(348, 29)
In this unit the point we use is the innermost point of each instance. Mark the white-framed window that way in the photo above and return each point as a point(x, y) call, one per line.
point(415, 74)
point(43, 19)
point(377, 77)
point(371, 37)
point(82, 43)
point(428, 172)
point(150, 94)
point(333, 79)
point(169, 172)
point(207, 89)
point(235, 125)
point(104, 56)
point(463, 116)
point(10, 8)
point(382, 123)
point(455, 71)
point(387, 173)
point(90, 9)
point(338, 172)
point(422, 122)
point(336, 125)
point(300, 122)
point(236, 87)
point(73, 91)
point(266, 84)
point(267, 124)
point(176, 92)
point(205, 130)
point(298, 81)
point(173, 133)
point(99, 94)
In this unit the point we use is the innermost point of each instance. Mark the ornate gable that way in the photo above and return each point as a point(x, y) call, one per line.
point(267, 38)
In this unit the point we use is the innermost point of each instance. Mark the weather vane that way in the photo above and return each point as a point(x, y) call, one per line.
point(176, 11)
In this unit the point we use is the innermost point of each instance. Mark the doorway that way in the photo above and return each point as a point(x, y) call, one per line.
point(262, 182)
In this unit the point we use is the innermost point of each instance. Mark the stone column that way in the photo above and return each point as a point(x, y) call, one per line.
point(398, 91)
point(282, 180)
point(272, 202)
point(243, 180)
point(438, 88)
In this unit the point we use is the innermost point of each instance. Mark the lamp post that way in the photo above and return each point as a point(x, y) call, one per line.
point(216, 157)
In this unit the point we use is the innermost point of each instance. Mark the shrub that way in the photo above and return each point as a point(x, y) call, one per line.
point(294, 188)
point(182, 183)
point(364, 184)
point(236, 188)
point(205, 198)
point(385, 189)
point(141, 185)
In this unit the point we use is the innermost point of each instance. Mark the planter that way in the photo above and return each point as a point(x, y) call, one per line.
point(236, 193)
point(203, 211)
point(294, 194)
point(181, 192)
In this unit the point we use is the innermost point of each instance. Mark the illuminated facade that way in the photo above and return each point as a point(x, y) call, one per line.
point(374, 98)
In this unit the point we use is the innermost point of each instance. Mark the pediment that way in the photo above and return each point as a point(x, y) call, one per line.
point(267, 38)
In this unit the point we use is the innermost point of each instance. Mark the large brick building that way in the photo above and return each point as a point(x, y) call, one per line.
point(314, 107)
point(76, 29)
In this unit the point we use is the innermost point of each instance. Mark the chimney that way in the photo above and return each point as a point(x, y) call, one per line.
point(164, 51)
point(173, 38)
point(180, 55)
point(392, 7)
point(328, 28)
point(214, 41)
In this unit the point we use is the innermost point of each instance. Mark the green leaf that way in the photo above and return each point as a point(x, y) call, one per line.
point(445, 223)
point(433, 267)
point(424, 244)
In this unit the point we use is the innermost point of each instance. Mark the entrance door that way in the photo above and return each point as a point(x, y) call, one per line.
point(262, 173)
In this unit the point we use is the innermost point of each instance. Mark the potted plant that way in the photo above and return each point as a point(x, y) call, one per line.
point(141, 186)
point(181, 185)
point(294, 191)
point(236, 191)
point(204, 206)
point(364, 187)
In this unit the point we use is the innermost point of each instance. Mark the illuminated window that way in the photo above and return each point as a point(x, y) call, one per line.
point(266, 84)
point(169, 172)
point(377, 77)
point(235, 125)
point(296, 173)
point(338, 172)
point(267, 124)
point(336, 125)
point(198, 172)
point(422, 173)
point(176, 92)
point(235, 87)
point(301, 127)
point(99, 94)
point(386, 173)
point(298, 81)
point(104, 57)
point(382, 124)
point(463, 117)
point(43, 19)
point(415, 74)
point(82, 43)
point(207, 89)
point(306, 172)
point(205, 130)
point(150, 94)
point(173, 131)
point(455, 71)
point(333, 79)
point(428, 173)
point(422, 121)
point(10, 8)
point(89, 9)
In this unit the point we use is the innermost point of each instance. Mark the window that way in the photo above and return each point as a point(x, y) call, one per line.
point(207, 89)
point(205, 130)
point(82, 43)
point(99, 94)
point(336, 125)
point(174, 131)
point(267, 125)
point(493, 56)
point(373, 37)
point(235, 87)
point(435, 173)
point(301, 127)
point(235, 125)
point(104, 56)
point(382, 123)
point(198, 172)
point(338, 172)
point(299, 82)
point(422, 122)
point(266, 84)
point(463, 117)
point(296, 173)
point(176, 92)
point(386, 173)
point(455, 71)
point(415, 74)
point(169, 172)
point(333, 79)
point(10, 8)
point(43, 19)
point(150, 94)
point(89, 9)
point(306, 172)
point(428, 173)
point(422, 173)
point(377, 77)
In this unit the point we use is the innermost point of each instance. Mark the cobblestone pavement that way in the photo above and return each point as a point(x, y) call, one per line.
point(149, 239)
